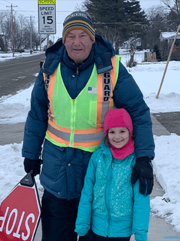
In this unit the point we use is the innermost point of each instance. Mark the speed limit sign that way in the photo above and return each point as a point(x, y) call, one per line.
point(47, 16)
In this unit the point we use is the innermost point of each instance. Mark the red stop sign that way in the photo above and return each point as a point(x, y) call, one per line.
point(20, 214)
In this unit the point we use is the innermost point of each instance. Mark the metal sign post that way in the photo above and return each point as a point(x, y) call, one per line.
point(47, 16)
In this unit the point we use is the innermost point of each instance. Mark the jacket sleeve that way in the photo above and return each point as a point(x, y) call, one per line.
point(141, 214)
point(83, 220)
point(127, 95)
point(37, 119)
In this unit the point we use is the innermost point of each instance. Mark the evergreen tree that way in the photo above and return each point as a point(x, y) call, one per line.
point(117, 20)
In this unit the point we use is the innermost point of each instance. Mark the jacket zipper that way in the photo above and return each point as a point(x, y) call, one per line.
point(77, 71)
point(108, 194)
point(72, 124)
point(72, 117)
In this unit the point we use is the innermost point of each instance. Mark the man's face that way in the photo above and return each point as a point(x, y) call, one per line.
point(78, 45)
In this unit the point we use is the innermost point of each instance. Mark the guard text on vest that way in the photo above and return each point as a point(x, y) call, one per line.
point(106, 86)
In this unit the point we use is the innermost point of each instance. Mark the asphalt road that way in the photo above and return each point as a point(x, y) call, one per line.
point(18, 73)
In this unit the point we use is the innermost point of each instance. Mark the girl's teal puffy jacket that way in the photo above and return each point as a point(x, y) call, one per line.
point(109, 204)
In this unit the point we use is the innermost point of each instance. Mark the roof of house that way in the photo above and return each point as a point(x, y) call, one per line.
point(168, 35)
point(132, 40)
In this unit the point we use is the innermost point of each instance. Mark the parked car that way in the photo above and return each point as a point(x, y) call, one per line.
point(28, 50)
point(19, 50)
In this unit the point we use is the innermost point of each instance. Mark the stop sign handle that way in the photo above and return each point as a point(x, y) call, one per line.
point(28, 180)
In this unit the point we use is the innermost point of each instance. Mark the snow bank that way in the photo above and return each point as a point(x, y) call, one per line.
point(14, 108)
point(9, 56)
point(167, 170)
point(11, 168)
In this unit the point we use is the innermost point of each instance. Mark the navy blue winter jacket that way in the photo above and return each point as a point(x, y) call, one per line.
point(64, 168)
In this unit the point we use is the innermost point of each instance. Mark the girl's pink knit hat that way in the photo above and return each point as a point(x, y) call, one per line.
point(118, 118)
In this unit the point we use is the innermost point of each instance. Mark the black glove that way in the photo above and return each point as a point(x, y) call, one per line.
point(144, 171)
point(33, 165)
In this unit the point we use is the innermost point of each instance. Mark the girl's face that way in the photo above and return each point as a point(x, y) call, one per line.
point(118, 136)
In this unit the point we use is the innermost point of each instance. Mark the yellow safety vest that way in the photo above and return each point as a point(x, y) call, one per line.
point(78, 123)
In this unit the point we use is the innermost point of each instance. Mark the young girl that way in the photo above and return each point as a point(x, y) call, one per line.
point(110, 207)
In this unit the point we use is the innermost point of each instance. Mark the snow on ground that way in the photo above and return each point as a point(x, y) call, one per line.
point(148, 76)
point(166, 163)
point(14, 109)
point(11, 168)
point(8, 56)
point(167, 169)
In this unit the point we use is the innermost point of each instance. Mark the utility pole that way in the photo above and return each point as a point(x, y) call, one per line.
point(30, 33)
point(47, 40)
point(12, 27)
point(40, 42)
point(30, 36)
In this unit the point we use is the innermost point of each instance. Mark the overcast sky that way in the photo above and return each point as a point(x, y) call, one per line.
point(63, 8)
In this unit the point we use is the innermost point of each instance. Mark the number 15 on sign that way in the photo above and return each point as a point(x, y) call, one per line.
point(47, 20)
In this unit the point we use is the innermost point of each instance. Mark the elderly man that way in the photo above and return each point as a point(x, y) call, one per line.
point(80, 81)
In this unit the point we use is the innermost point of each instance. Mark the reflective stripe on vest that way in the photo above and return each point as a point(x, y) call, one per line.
point(79, 123)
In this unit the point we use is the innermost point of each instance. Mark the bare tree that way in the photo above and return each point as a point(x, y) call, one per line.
point(174, 13)
point(6, 29)
point(172, 5)
point(21, 26)
point(157, 17)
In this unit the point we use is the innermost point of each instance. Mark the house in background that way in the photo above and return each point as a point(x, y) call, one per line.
point(169, 37)
point(136, 42)
point(166, 40)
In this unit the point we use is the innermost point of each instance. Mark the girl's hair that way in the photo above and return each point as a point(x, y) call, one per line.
point(106, 139)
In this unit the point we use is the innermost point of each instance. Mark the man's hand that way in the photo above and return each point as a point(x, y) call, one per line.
point(33, 165)
point(144, 171)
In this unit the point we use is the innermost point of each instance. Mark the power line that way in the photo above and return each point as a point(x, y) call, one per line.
point(24, 11)
point(37, 11)
point(6, 1)
point(56, 0)
point(77, 0)
point(3, 4)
